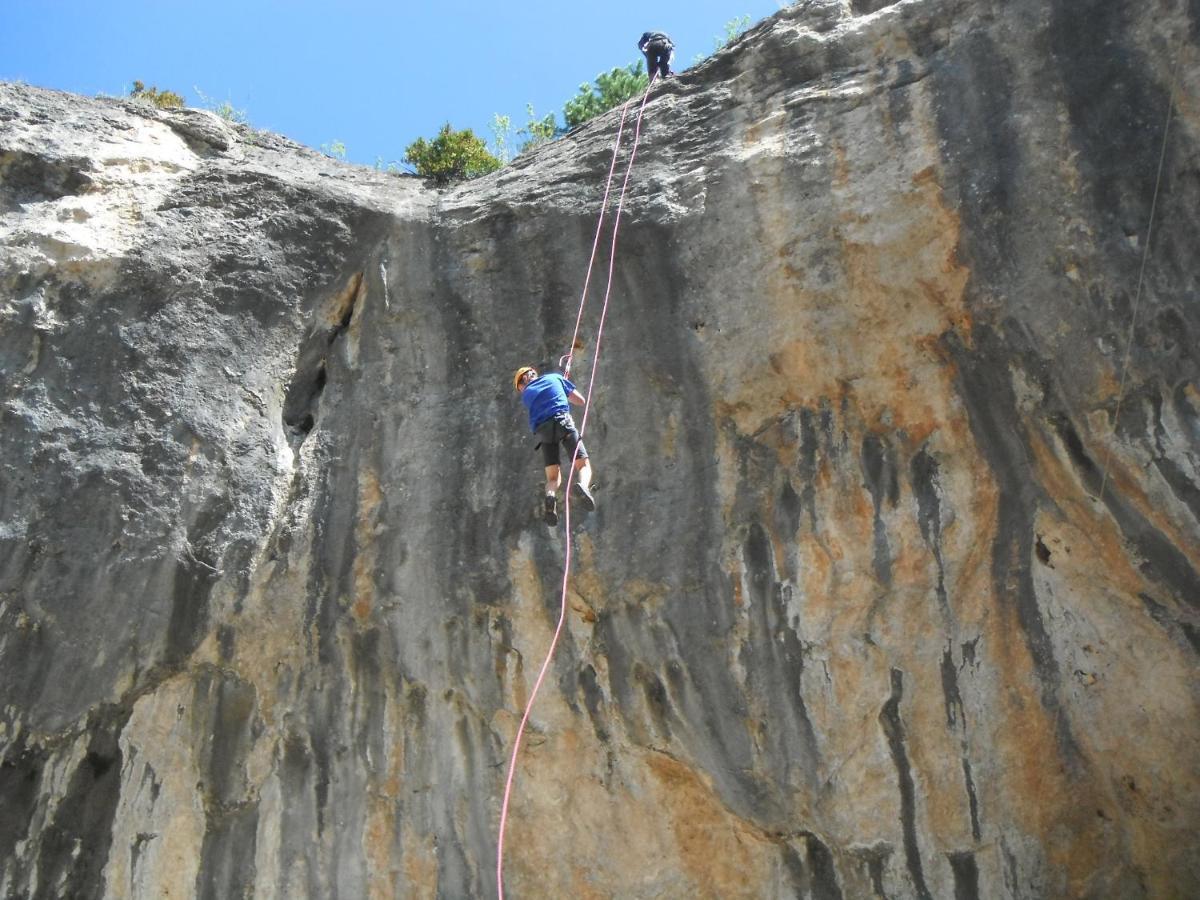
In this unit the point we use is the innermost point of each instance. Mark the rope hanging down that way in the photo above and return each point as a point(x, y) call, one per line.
point(565, 361)
point(562, 615)
point(1137, 300)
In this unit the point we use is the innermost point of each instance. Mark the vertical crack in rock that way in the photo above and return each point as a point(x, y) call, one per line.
point(954, 704)
point(879, 469)
point(924, 475)
point(956, 719)
point(972, 797)
point(988, 397)
point(893, 729)
point(383, 280)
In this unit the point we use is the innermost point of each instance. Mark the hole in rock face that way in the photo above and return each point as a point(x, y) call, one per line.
point(299, 409)
point(1042, 551)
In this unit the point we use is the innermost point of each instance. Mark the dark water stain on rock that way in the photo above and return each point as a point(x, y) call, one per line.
point(893, 729)
point(991, 407)
point(20, 782)
point(227, 855)
point(966, 875)
point(983, 153)
point(924, 475)
point(74, 847)
point(1162, 559)
point(879, 469)
point(774, 660)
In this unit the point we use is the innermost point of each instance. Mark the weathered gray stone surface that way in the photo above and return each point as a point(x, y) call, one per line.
point(853, 618)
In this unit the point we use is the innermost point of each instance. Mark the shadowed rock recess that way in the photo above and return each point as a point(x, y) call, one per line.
point(853, 618)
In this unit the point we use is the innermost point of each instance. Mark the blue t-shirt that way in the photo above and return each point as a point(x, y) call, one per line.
point(545, 397)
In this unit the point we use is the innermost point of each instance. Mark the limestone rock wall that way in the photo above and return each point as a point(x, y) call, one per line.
point(885, 596)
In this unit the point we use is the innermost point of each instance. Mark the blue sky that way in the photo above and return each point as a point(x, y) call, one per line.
point(372, 75)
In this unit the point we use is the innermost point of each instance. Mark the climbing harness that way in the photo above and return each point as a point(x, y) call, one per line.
point(562, 615)
point(1137, 300)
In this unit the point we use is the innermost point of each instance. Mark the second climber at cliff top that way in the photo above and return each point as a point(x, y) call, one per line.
point(548, 398)
point(659, 51)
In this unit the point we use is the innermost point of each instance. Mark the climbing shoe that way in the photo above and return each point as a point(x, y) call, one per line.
point(550, 510)
point(585, 496)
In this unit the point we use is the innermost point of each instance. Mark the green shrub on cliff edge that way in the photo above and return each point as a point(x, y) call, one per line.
point(223, 108)
point(155, 97)
point(612, 89)
point(451, 156)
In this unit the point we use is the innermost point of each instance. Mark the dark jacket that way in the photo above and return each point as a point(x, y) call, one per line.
point(658, 39)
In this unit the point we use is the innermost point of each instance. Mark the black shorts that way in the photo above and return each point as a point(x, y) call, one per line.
point(552, 432)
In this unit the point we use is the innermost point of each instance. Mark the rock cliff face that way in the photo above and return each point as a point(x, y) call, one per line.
point(894, 587)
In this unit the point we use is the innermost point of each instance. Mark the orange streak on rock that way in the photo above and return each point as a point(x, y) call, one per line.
point(420, 865)
point(370, 496)
point(715, 848)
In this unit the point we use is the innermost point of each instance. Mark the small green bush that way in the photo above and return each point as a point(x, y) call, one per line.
point(733, 29)
point(223, 108)
point(335, 149)
point(501, 128)
point(451, 156)
point(390, 166)
point(537, 130)
point(611, 89)
point(155, 97)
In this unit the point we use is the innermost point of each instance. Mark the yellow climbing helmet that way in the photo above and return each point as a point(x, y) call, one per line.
point(520, 374)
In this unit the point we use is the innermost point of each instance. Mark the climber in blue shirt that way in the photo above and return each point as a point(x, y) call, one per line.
point(548, 398)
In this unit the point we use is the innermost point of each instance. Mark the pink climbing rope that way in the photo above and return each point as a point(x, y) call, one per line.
point(587, 279)
point(562, 615)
